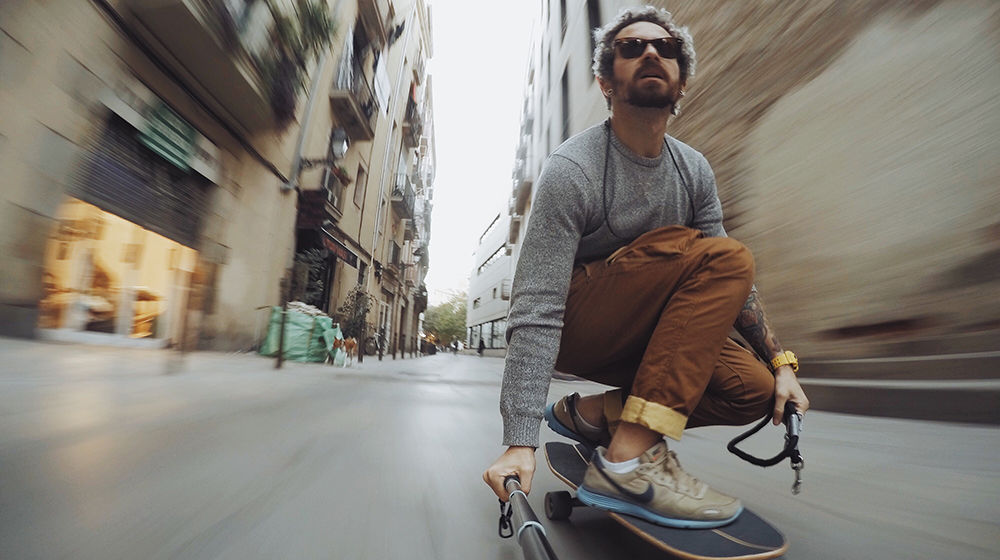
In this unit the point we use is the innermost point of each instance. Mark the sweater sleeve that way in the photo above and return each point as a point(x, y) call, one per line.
point(708, 208)
point(538, 298)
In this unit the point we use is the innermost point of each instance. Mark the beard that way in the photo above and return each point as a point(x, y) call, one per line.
point(656, 97)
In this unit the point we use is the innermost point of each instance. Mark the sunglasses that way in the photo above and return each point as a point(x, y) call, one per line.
point(666, 47)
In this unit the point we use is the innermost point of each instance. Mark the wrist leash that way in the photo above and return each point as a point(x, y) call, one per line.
point(793, 425)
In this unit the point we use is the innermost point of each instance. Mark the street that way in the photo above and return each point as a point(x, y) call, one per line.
point(128, 453)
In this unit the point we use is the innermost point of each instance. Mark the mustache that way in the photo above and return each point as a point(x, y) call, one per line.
point(651, 68)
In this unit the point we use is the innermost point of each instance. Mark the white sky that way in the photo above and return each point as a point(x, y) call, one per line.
point(480, 58)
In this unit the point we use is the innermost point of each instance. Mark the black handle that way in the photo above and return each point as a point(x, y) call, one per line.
point(530, 534)
point(516, 480)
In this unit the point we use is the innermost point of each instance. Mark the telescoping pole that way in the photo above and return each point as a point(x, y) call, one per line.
point(530, 533)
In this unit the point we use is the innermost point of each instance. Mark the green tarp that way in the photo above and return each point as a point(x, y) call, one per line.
point(307, 338)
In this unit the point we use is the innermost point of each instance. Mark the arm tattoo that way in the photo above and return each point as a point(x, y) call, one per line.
point(753, 326)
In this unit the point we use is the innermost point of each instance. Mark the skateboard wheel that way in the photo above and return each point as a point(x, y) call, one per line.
point(558, 505)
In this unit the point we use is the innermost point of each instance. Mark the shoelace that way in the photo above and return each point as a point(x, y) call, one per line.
point(668, 468)
point(684, 480)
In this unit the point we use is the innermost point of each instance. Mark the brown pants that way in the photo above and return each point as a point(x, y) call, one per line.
point(654, 319)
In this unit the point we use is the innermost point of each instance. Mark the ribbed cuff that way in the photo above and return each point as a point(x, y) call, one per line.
point(654, 416)
point(521, 430)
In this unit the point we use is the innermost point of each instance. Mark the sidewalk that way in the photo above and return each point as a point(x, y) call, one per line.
point(51, 358)
point(948, 400)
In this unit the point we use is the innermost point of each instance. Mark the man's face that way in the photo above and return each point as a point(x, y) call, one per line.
point(648, 80)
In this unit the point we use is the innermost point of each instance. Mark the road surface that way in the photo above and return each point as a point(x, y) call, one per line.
point(122, 453)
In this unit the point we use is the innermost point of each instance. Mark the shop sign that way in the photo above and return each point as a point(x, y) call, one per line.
point(170, 136)
point(340, 250)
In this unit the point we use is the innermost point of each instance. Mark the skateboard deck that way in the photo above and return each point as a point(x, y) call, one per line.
point(747, 538)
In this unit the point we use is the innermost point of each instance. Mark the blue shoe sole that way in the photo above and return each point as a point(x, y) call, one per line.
point(558, 427)
point(616, 505)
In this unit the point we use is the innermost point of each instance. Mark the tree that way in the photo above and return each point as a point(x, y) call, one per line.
point(353, 314)
point(447, 320)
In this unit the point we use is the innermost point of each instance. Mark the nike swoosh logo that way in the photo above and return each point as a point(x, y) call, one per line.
point(641, 497)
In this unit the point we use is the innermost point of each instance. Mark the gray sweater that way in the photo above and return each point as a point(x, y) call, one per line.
point(567, 225)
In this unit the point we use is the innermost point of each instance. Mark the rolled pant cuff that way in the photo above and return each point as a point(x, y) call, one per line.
point(654, 416)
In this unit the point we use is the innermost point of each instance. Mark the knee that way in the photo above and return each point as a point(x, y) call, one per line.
point(735, 257)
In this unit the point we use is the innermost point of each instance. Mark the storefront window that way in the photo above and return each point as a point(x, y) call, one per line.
point(105, 274)
point(499, 330)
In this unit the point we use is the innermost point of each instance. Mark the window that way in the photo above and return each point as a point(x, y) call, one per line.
point(593, 22)
point(494, 293)
point(334, 188)
point(362, 269)
point(565, 103)
point(562, 17)
point(360, 186)
point(475, 303)
point(492, 259)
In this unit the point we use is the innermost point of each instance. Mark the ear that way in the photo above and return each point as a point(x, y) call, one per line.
point(604, 85)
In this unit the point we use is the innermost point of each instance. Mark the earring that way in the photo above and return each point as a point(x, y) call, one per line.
point(609, 93)
point(682, 93)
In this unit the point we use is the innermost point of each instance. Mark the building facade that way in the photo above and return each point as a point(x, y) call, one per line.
point(489, 286)
point(160, 158)
point(367, 210)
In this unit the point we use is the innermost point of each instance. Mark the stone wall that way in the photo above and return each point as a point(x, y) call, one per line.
point(855, 146)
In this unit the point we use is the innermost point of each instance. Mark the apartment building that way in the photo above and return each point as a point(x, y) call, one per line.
point(858, 179)
point(162, 162)
point(366, 204)
point(489, 286)
point(561, 98)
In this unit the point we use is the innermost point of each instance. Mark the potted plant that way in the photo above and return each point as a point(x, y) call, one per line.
point(341, 172)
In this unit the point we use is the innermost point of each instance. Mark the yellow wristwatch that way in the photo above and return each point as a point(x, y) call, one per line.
point(786, 358)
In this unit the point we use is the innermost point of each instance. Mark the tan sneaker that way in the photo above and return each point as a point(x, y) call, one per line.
point(659, 491)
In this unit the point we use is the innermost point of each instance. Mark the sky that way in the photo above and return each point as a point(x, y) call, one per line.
point(478, 68)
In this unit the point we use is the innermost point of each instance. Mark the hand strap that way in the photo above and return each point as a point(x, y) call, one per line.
point(792, 421)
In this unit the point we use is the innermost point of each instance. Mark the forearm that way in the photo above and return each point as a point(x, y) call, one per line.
point(527, 374)
point(753, 326)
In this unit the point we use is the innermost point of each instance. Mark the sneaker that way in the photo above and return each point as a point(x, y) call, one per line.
point(659, 491)
point(564, 420)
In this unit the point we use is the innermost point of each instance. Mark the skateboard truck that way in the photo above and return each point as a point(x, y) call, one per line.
point(793, 425)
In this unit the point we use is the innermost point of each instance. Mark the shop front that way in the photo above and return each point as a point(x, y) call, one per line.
point(120, 265)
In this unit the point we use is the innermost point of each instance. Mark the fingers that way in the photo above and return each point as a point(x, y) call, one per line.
point(779, 409)
point(519, 461)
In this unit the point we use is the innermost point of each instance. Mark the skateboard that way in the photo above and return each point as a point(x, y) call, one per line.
point(747, 538)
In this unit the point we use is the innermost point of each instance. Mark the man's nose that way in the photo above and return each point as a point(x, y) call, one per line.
point(650, 51)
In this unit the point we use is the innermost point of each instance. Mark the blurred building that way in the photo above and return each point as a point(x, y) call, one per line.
point(854, 148)
point(489, 286)
point(168, 166)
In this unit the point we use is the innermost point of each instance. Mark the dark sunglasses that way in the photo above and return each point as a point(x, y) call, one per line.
point(666, 47)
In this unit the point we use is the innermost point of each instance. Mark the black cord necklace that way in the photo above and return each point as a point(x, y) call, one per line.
point(604, 180)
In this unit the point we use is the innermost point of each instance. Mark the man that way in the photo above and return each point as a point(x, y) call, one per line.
point(626, 277)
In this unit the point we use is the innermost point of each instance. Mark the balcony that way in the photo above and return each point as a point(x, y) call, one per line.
point(217, 44)
point(409, 229)
point(403, 197)
point(315, 208)
point(413, 125)
point(376, 16)
point(352, 100)
point(419, 69)
point(395, 264)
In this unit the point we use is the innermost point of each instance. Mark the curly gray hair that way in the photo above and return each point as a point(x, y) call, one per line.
point(604, 52)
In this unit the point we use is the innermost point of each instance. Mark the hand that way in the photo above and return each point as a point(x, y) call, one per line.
point(787, 388)
point(516, 460)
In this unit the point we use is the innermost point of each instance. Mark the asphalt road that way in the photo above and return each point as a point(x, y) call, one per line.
point(110, 453)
